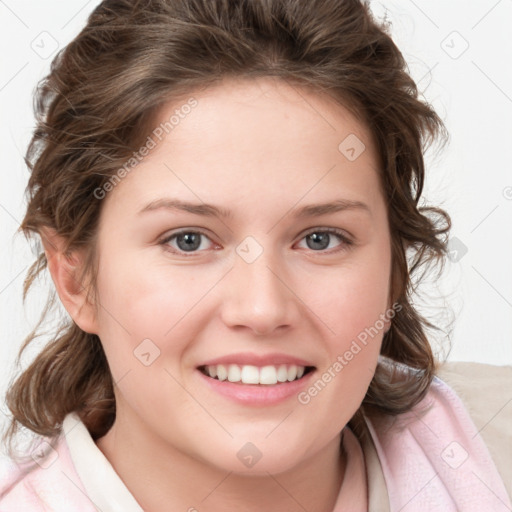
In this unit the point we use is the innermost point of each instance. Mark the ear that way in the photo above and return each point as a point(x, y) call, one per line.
point(65, 271)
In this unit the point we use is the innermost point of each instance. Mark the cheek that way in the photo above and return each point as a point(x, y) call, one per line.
point(138, 304)
point(355, 307)
point(353, 300)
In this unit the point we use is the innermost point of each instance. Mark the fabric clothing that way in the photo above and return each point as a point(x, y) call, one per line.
point(438, 462)
point(432, 458)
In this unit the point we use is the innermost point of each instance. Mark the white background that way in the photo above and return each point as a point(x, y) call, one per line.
point(471, 88)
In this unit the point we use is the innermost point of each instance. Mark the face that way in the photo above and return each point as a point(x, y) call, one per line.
point(256, 281)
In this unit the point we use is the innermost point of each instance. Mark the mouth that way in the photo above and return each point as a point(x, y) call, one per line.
point(268, 375)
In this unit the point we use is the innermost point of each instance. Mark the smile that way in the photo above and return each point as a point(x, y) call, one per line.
point(249, 374)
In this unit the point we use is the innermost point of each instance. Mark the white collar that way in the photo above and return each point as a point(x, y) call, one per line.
point(103, 485)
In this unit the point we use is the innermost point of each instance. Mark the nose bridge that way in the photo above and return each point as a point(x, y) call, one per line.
point(257, 294)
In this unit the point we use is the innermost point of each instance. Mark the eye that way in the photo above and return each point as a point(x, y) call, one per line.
point(320, 239)
point(184, 242)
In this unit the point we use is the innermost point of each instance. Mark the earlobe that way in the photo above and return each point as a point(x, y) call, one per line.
point(65, 269)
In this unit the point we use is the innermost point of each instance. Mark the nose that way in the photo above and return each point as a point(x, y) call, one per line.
point(259, 297)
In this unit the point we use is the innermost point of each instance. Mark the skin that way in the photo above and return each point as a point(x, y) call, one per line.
point(261, 149)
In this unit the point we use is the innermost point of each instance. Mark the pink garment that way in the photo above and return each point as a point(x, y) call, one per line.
point(435, 462)
point(55, 488)
point(438, 462)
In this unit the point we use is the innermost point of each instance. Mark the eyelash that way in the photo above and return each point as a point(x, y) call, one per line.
point(346, 242)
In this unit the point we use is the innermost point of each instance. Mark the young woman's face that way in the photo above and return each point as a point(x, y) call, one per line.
point(252, 242)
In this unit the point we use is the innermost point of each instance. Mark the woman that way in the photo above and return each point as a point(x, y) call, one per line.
point(227, 195)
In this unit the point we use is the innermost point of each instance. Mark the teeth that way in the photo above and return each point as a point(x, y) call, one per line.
point(282, 373)
point(268, 375)
point(222, 373)
point(248, 374)
point(292, 372)
point(234, 373)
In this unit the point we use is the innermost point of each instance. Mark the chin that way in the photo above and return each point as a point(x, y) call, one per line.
point(273, 464)
point(256, 458)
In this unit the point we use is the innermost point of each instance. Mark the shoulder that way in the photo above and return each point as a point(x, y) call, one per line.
point(486, 392)
point(44, 480)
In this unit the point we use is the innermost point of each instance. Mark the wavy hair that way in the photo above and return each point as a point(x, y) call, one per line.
point(95, 108)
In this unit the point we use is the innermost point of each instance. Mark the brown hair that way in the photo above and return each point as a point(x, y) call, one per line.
point(95, 108)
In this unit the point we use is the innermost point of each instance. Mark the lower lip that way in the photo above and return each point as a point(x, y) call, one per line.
point(257, 394)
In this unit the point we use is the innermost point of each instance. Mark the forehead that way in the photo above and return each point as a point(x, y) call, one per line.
point(245, 108)
point(259, 138)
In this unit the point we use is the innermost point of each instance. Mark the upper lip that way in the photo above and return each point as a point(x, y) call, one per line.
point(257, 360)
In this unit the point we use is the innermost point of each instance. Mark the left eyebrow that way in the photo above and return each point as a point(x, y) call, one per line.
point(315, 210)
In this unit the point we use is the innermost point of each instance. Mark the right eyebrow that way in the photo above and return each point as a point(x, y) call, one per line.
point(204, 209)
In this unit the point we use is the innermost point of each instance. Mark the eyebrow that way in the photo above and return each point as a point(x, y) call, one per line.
point(210, 210)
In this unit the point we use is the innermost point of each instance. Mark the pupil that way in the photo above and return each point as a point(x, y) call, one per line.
point(192, 241)
point(319, 240)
